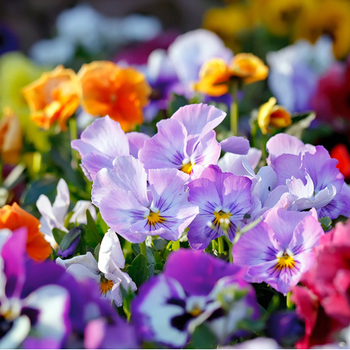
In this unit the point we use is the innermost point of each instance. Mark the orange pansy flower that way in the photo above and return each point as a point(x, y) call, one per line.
point(107, 89)
point(274, 115)
point(10, 137)
point(216, 75)
point(53, 97)
point(13, 217)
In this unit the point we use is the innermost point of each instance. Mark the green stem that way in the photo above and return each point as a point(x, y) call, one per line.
point(143, 249)
point(73, 133)
point(234, 110)
point(230, 246)
point(289, 301)
point(220, 245)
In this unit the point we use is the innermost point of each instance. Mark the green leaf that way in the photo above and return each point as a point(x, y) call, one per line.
point(176, 102)
point(97, 251)
point(127, 296)
point(101, 225)
point(326, 223)
point(70, 237)
point(92, 235)
point(58, 235)
point(203, 338)
point(138, 270)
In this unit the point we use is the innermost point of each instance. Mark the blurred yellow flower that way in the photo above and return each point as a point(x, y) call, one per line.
point(216, 75)
point(331, 17)
point(228, 22)
point(107, 89)
point(279, 16)
point(53, 97)
point(17, 71)
point(10, 137)
point(274, 115)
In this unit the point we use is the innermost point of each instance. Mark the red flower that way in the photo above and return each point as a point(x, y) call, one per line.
point(340, 152)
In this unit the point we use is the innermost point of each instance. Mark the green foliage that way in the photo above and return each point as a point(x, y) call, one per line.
point(92, 235)
point(138, 270)
point(203, 338)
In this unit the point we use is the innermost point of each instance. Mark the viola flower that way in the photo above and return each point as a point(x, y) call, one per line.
point(170, 306)
point(53, 97)
point(136, 205)
point(121, 93)
point(106, 272)
point(223, 200)
point(216, 75)
point(104, 140)
point(274, 115)
point(13, 217)
point(227, 22)
point(307, 178)
point(10, 137)
point(41, 315)
point(330, 101)
point(330, 17)
point(191, 50)
point(295, 72)
point(280, 248)
point(54, 216)
point(187, 141)
point(341, 153)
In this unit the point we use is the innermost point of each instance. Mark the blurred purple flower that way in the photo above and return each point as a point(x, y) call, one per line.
point(170, 306)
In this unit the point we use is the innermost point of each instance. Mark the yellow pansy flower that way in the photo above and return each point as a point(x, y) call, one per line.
point(274, 115)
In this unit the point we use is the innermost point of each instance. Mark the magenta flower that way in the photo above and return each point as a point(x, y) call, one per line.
point(280, 248)
point(223, 200)
point(135, 209)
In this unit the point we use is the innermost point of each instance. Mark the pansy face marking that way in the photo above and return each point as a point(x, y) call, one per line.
point(222, 219)
point(187, 167)
point(105, 285)
point(285, 260)
point(154, 218)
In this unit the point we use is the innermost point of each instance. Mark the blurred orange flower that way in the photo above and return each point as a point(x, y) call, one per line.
point(13, 217)
point(53, 97)
point(216, 75)
point(108, 89)
point(10, 137)
point(274, 115)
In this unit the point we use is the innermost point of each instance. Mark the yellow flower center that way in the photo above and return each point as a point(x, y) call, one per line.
point(285, 261)
point(154, 218)
point(221, 218)
point(187, 168)
point(105, 285)
point(196, 311)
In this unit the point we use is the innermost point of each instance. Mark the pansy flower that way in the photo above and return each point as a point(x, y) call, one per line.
point(279, 249)
point(119, 92)
point(54, 216)
point(53, 97)
point(274, 115)
point(216, 75)
point(307, 178)
point(13, 217)
point(170, 306)
point(104, 140)
point(187, 141)
point(223, 200)
point(42, 314)
point(10, 137)
point(106, 272)
point(136, 205)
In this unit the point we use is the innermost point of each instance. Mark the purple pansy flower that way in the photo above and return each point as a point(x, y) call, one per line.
point(279, 249)
point(187, 140)
point(307, 177)
point(170, 306)
point(42, 314)
point(223, 200)
point(136, 205)
point(102, 141)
